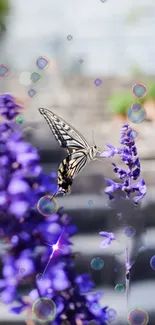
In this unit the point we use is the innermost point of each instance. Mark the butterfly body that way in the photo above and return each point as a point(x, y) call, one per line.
point(79, 151)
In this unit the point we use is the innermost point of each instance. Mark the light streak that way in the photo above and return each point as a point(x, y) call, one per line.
point(55, 247)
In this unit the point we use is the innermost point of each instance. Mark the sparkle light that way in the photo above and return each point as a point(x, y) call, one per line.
point(57, 246)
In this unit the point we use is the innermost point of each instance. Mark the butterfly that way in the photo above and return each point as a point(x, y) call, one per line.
point(80, 153)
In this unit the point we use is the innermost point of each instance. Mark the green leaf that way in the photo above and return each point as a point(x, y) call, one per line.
point(120, 102)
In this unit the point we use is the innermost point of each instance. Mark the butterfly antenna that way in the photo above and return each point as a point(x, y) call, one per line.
point(93, 138)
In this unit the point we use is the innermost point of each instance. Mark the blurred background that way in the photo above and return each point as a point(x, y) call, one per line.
point(96, 51)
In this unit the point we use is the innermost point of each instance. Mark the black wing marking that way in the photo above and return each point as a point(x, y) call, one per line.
point(67, 136)
point(69, 168)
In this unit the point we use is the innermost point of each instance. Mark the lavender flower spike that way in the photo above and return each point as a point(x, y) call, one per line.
point(128, 155)
point(26, 230)
point(109, 237)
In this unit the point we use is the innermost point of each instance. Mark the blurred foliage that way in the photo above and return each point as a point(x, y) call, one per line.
point(151, 91)
point(4, 10)
point(138, 12)
point(120, 102)
point(136, 71)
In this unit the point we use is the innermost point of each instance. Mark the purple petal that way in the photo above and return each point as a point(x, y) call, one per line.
point(8, 296)
point(18, 208)
point(17, 186)
point(110, 146)
point(105, 243)
point(106, 154)
point(104, 233)
point(17, 310)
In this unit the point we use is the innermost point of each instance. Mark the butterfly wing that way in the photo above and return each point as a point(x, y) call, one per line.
point(67, 136)
point(69, 168)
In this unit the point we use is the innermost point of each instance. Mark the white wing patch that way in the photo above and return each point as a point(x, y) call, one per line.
point(67, 136)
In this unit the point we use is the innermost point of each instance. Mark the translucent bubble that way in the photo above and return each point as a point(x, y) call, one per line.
point(139, 90)
point(69, 37)
point(98, 82)
point(119, 288)
point(39, 277)
point(31, 92)
point(136, 113)
point(138, 316)
point(47, 205)
point(142, 249)
point(130, 231)
point(152, 262)
point(25, 78)
point(35, 77)
point(22, 270)
point(19, 119)
point(92, 322)
point(42, 63)
point(97, 263)
point(4, 71)
point(44, 310)
point(90, 203)
point(132, 134)
point(111, 313)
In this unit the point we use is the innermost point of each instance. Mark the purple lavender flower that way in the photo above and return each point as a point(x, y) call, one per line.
point(109, 237)
point(27, 233)
point(8, 106)
point(128, 154)
point(127, 186)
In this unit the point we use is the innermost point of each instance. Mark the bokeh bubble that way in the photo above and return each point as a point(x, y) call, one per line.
point(39, 277)
point(90, 203)
point(130, 231)
point(31, 92)
point(136, 113)
point(42, 63)
point(138, 316)
point(132, 134)
point(92, 322)
point(97, 82)
point(44, 310)
point(22, 270)
point(152, 262)
point(19, 119)
point(69, 37)
point(35, 77)
point(97, 263)
point(4, 71)
point(119, 287)
point(111, 313)
point(139, 90)
point(47, 205)
point(25, 78)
